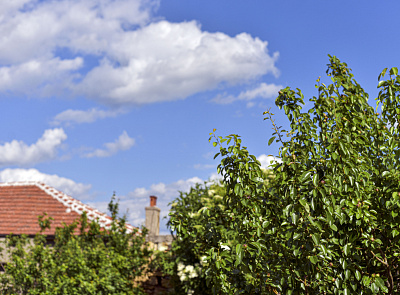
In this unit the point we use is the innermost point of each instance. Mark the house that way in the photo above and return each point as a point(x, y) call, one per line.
point(22, 202)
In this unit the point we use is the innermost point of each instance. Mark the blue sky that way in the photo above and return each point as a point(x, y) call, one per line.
point(120, 95)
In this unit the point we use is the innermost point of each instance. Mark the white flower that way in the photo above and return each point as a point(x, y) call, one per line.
point(187, 271)
point(181, 266)
point(225, 248)
point(203, 260)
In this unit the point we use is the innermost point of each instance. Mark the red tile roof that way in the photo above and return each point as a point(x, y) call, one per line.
point(22, 202)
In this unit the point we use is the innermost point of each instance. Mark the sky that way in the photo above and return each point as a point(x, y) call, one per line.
point(104, 96)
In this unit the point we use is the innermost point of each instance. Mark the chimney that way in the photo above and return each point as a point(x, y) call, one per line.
point(153, 217)
point(153, 201)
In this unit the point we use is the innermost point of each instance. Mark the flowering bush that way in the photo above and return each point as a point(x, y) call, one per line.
point(200, 219)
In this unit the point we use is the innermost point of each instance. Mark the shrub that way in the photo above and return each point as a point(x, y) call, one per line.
point(95, 261)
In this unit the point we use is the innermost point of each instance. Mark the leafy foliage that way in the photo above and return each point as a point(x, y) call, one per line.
point(201, 219)
point(85, 259)
point(186, 255)
point(328, 222)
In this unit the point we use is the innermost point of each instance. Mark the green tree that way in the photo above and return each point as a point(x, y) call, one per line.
point(329, 222)
point(200, 219)
point(85, 259)
point(187, 254)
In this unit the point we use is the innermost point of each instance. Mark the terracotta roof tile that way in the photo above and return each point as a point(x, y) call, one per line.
point(22, 202)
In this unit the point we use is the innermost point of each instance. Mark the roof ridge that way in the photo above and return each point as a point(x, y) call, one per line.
point(71, 203)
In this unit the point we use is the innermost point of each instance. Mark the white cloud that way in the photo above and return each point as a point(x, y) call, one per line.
point(140, 62)
point(123, 143)
point(168, 61)
point(41, 76)
point(266, 161)
point(19, 153)
point(68, 186)
point(79, 116)
point(136, 201)
point(261, 91)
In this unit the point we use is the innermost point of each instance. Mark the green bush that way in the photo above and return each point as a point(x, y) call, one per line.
point(97, 261)
point(200, 219)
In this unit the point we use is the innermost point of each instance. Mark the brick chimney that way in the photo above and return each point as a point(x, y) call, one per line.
point(153, 217)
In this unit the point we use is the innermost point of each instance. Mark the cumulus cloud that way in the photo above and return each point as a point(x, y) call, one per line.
point(68, 186)
point(40, 76)
point(261, 91)
point(267, 161)
point(80, 116)
point(135, 201)
point(19, 153)
point(122, 143)
point(185, 61)
point(139, 61)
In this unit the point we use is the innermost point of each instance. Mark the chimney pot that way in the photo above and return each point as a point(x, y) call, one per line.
point(153, 201)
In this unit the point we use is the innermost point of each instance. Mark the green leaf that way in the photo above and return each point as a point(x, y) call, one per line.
point(315, 179)
point(358, 275)
point(296, 236)
point(270, 141)
point(305, 176)
point(237, 189)
point(393, 71)
point(374, 288)
point(305, 205)
point(259, 231)
point(257, 245)
point(239, 254)
point(284, 150)
point(295, 218)
point(381, 284)
point(323, 248)
point(316, 239)
point(333, 227)
point(346, 249)
point(382, 74)
point(366, 281)
point(313, 259)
